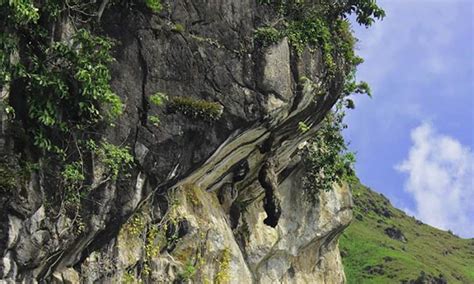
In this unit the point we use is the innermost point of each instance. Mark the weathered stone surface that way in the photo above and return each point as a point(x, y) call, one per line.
point(276, 81)
point(195, 190)
point(303, 247)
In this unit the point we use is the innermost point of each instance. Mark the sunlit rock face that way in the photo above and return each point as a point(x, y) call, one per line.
point(207, 201)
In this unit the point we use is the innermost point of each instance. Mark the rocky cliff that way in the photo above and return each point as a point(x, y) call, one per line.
point(215, 193)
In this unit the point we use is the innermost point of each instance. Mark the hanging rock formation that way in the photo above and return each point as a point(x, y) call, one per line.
point(208, 200)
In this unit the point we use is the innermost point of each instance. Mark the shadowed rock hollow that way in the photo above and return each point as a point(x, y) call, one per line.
point(208, 200)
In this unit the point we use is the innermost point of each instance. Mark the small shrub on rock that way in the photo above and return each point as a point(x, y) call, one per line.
point(195, 109)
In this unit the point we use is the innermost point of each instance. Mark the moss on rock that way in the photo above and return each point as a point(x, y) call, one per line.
point(195, 109)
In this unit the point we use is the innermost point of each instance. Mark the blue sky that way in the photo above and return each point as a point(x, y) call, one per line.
point(415, 138)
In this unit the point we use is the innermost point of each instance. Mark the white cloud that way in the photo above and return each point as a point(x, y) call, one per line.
point(441, 180)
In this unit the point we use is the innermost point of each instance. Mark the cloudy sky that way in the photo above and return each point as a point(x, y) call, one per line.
point(415, 138)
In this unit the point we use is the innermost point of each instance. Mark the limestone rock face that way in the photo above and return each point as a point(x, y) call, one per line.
point(207, 201)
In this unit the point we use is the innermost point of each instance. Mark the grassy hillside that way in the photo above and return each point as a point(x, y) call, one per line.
point(384, 245)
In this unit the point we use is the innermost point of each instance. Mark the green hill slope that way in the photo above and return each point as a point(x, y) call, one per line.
point(384, 245)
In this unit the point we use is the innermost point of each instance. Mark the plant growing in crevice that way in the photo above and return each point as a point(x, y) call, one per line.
point(8, 178)
point(73, 178)
point(152, 248)
point(154, 120)
point(129, 278)
point(158, 99)
point(303, 127)
point(154, 5)
point(223, 274)
point(140, 227)
point(155, 236)
point(135, 225)
point(267, 36)
point(114, 158)
point(195, 108)
point(188, 272)
point(178, 28)
point(73, 173)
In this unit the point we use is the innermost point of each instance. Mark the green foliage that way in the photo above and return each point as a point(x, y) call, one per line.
point(195, 109)
point(158, 99)
point(14, 173)
point(73, 174)
point(366, 11)
point(114, 158)
point(64, 87)
point(178, 28)
point(7, 109)
point(153, 235)
point(267, 36)
point(154, 5)
point(22, 12)
point(324, 25)
point(73, 180)
point(303, 127)
point(326, 158)
point(188, 272)
point(8, 179)
point(129, 278)
point(7, 50)
point(224, 266)
point(153, 119)
point(345, 42)
point(83, 64)
point(310, 31)
point(152, 249)
point(351, 86)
